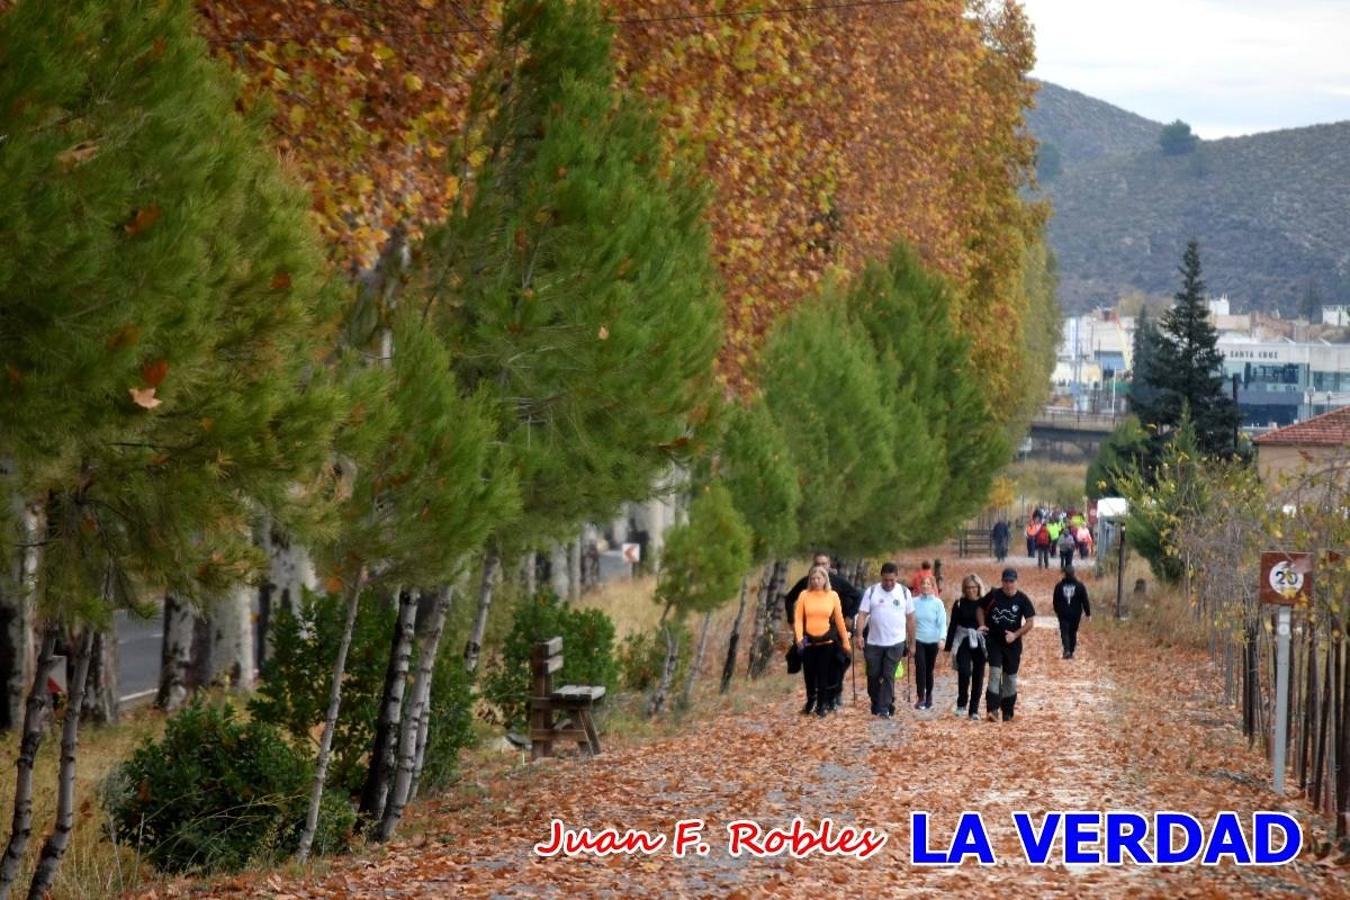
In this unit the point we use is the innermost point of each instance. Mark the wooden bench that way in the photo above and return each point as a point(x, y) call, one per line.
point(973, 542)
point(572, 701)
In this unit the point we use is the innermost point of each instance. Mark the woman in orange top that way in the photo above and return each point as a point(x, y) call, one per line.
point(818, 623)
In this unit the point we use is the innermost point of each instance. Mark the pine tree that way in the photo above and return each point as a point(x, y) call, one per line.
point(427, 491)
point(576, 285)
point(1144, 351)
point(1187, 370)
point(160, 301)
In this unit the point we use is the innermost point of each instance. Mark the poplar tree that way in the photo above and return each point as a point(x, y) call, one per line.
point(575, 285)
point(160, 298)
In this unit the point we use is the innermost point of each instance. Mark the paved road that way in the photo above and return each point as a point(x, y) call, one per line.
point(138, 650)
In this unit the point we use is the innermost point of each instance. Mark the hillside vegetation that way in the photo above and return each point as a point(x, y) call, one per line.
point(1270, 210)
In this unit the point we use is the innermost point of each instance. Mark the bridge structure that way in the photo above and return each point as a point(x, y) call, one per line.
point(1070, 435)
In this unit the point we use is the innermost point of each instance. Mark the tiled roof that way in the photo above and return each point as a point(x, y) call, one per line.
point(1327, 430)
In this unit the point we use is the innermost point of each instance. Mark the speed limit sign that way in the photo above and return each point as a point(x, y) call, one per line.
point(1286, 578)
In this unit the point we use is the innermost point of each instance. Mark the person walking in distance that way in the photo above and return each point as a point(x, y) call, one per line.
point(999, 536)
point(967, 636)
point(818, 624)
point(1043, 544)
point(885, 619)
point(930, 624)
point(1070, 603)
point(1009, 615)
point(1033, 528)
point(925, 570)
point(1066, 547)
point(849, 598)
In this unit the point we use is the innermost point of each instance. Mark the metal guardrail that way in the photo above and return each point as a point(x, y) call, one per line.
point(1055, 417)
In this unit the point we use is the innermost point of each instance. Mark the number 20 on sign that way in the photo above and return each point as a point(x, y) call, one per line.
point(1286, 578)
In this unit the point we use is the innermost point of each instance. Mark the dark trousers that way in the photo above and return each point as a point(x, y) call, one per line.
point(1004, 661)
point(881, 663)
point(1066, 558)
point(1042, 557)
point(1068, 633)
point(925, 655)
point(1031, 547)
point(969, 677)
point(1001, 550)
point(818, 662)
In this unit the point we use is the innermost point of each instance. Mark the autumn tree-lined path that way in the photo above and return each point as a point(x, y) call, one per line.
point(1120, 727)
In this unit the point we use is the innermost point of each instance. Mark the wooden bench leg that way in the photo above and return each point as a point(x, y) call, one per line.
point(592, 737)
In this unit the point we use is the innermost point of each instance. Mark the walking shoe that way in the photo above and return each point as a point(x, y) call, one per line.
point(809, 708)
point(918, 704)
point(820, 712)
point(959, 711)
point(974, 717)
point(990, 716)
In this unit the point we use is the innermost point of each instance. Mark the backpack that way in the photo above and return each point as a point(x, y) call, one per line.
point(1043, 537)
point(1066, 541)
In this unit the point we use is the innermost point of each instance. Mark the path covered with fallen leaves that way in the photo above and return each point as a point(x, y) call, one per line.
point(1120, 727)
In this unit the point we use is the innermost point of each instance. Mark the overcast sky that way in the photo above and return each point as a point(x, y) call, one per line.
point(1227, 67)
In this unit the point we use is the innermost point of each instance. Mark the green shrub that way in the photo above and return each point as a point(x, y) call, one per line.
point(295, 681)
point(218, 794)
point(588, 654)
point(643, 656)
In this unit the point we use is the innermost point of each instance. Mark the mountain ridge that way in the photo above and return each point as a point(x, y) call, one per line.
point(1271, 211)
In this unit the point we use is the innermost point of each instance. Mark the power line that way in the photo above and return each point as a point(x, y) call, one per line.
point(632, 21)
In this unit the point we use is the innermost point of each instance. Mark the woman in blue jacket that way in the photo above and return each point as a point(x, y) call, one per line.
point(930, 626)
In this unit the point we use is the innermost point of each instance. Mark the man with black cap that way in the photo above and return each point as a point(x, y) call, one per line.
point(1071, 604)
point(1008, 614)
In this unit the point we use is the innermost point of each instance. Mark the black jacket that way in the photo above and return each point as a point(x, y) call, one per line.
point(850, 598)
point(1073, 602)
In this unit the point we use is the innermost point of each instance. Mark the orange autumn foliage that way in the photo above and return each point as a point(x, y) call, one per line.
point(828, 135)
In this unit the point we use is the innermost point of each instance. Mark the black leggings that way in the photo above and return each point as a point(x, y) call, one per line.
point(969, 677)
point(818, 662)
point(925, 655)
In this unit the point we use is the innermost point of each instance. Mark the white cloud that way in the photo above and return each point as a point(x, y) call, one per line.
point(1225, 66)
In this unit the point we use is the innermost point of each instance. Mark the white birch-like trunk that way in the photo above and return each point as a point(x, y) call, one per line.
point(529, 573)
point(100, 701)
point(574, 570)
point(34, 727)
point(474, 646)
point(688, 697)
point(231, 629)
point(557, 570)
point(290, 572)
point(330, 720)
point(384, 753)
point(54, 848)
point(175, 665)
point(416, 718)
point(16, 615)
point(658, 698)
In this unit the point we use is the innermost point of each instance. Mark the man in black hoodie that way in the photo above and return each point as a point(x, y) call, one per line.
point(1071, 604)
point(849, 599)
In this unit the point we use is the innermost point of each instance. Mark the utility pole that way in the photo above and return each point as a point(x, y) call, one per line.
point(1238, 422)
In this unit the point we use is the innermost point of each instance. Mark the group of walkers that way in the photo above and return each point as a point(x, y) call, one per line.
point(892, 621)
point(1056, 532)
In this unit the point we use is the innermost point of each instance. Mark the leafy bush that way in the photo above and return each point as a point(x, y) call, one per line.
point(1177, 139)
point(588, 654)
point(218, 794)
point(643, 656)
point(296, 679)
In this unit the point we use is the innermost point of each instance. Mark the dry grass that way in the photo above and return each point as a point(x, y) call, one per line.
point(93, 867)
point(1058, 484)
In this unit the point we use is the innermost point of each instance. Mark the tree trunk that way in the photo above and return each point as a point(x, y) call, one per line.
point(385, 748)
point(330, 720)
point(557, 570)
point(34, 726)
point(771, 611)
point(1320, 752)
point(231, 630)
point(530, 574)
point(574, 570)
point(658, 698)
point(55, 846)
point(1309, 710)
point(697, 664)
point(290, 573)
point(1342, 723)
point(729, 667)
point(16, 615)
point(416, 718)
point(100, 692)
point(175, 666)
point(474, 646)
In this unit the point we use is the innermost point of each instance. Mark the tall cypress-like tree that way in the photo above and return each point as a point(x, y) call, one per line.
point(1187, 370)
point(576, 285)
point(1143, 366)
point(159, 306)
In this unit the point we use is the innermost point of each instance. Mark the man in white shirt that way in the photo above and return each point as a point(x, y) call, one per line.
point(887, 612)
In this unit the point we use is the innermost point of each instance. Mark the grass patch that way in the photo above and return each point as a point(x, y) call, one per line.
point(1037, 482)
